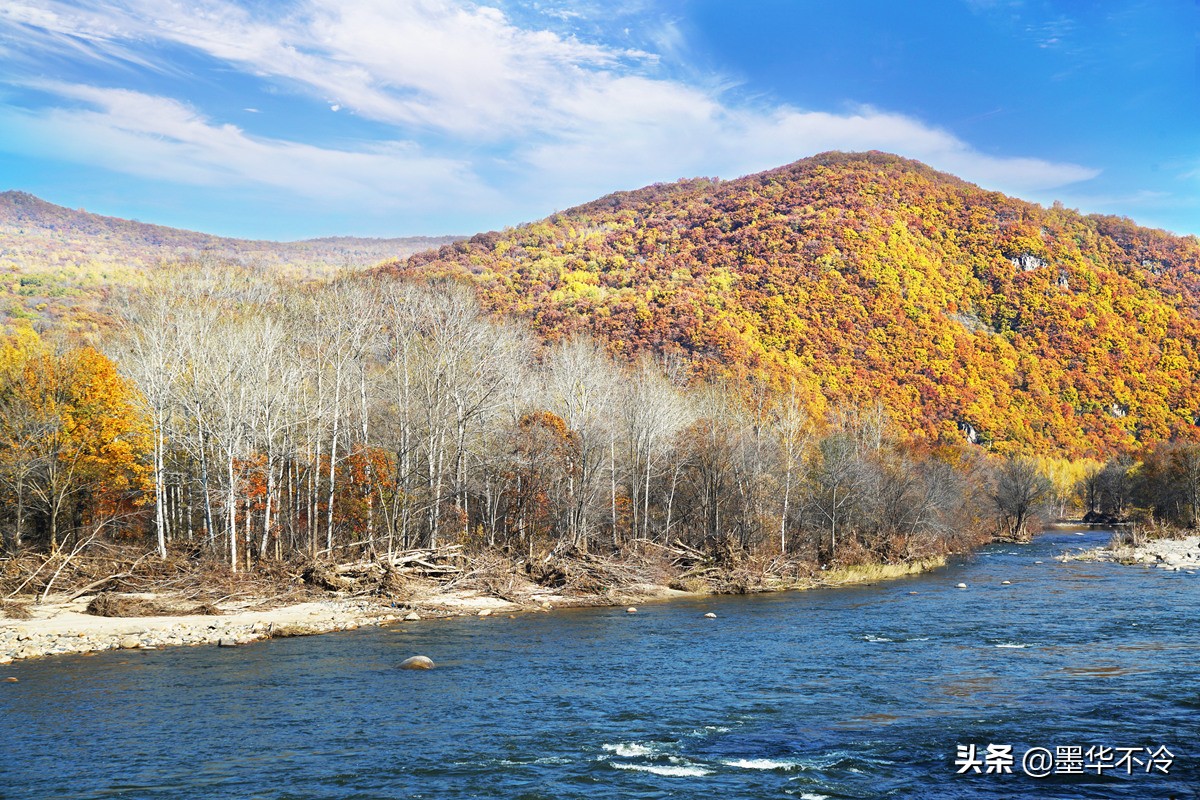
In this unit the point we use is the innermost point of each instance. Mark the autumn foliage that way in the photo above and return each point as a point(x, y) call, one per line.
point(970, 314)
point(72, 441)
point(851, 358)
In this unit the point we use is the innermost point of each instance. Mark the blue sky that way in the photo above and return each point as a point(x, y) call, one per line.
point(283, 120)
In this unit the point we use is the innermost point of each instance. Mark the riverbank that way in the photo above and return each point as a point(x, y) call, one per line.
point(1177, 555)
point(61, 624)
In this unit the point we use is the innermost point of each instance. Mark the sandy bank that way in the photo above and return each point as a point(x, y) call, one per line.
point(61, 625)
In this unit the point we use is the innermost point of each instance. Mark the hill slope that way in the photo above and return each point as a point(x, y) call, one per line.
point(868, 276)
point(56, 262)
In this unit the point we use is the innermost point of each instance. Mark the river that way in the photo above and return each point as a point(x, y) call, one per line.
point(848, 693)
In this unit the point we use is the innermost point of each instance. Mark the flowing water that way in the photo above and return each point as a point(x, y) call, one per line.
point(848, 693)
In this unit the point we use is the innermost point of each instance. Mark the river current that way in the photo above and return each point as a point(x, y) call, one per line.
point(890, 690)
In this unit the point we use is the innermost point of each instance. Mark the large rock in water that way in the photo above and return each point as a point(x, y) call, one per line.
point(417, 662)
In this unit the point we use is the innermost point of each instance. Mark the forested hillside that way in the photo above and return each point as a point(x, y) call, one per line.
point(852, 359)
point(969, 314)
point(58, 265)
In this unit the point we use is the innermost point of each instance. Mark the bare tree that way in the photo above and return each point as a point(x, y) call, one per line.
point(837, 479)
point(581, 388)
point(1018, 492)
point(793, 435)
point(651, 412)
point(152, 358)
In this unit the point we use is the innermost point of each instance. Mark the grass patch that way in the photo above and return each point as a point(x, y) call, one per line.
point(695, 585)
point(15, 610)
point(109, 604)
point(870, 573)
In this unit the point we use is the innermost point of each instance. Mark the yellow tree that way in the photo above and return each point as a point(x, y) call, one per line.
point(70, 427)
point(15, 428)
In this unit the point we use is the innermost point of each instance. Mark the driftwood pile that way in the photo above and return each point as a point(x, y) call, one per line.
point(124, 570)
point(112, 604)
point(640, 561)
point(386, 575)
point(725, 568)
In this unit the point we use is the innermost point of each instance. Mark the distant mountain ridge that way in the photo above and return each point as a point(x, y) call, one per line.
point(866, 277)
point(24, 214)
point(58, 264)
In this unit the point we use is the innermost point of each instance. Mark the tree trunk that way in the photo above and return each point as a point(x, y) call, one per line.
point(333, 443)
point(231, 505)
point(160, 520)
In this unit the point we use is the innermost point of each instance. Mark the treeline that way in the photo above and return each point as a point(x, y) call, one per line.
point(237, 418)
point(260, 420)
point(1164, 485)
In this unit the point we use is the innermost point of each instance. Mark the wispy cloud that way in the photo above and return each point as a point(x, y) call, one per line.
point(163, 139)
point(560, 118)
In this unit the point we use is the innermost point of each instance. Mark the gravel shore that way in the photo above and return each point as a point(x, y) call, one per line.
point(1178, 555)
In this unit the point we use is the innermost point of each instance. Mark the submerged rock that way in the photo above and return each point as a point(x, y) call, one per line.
point(710, 615)
point(961, 586)
point(631, 610)
point(417, 662)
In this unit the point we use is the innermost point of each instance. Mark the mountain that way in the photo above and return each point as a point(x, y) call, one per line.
point(57, 263)
point(867, 277)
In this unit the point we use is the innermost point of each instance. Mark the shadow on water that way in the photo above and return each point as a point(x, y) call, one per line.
point(851, 693)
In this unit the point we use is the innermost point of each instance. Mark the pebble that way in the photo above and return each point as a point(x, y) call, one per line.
point(130, 643)
point(487, 612)
point(412, 616)
point(417, 662)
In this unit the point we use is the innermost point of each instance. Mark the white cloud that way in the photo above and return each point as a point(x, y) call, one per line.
point(665, 134)
point(440, 64)
point(162, 139)
point(566, 119)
